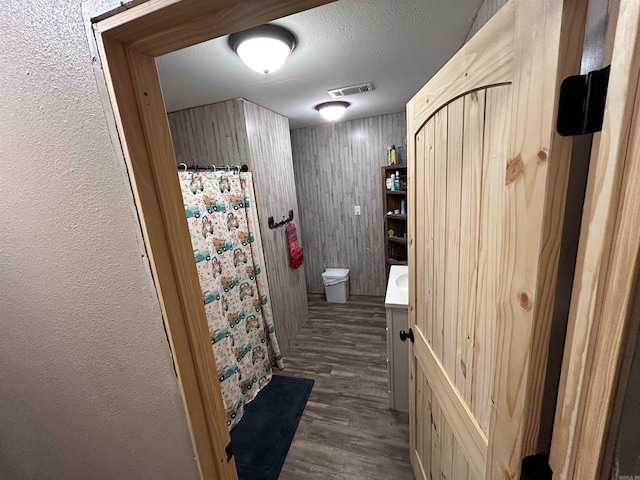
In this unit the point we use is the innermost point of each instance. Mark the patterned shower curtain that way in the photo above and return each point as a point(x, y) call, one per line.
point(220, 209)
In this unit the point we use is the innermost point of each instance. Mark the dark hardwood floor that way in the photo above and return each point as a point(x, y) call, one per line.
point(347, 430)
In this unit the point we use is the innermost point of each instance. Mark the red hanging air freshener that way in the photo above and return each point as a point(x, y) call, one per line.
point(296, 254)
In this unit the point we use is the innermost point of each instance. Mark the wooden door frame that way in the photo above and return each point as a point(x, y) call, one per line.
point(603, 319)
point(126, 41)
point(130, 37)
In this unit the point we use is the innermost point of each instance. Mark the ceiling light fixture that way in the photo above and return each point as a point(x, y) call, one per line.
point(264, 48)
point(332, 111)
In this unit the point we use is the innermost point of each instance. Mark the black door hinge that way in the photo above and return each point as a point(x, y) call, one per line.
point(404, 335)
point(536, 467)
point(581, 103)
point(229, 452)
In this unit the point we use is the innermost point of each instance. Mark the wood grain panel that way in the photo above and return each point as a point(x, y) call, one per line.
point(460, 465)
point(422, 281)
point(439, 229)
point(452, 250)
point(427, 229)
point(424, 255)
point(422, 435)
point(536, 191)
point(236, 132)
point(468, 433)
point(336, 167)
point(492, 225)
point(469, 224)
point(519, 193)
point(447, 448)
point(211, 134)
point(439, 155)
point(436, 433)
point(542, 391)
point(272, 164)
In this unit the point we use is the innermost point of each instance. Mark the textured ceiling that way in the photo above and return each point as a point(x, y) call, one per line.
point(398, 45)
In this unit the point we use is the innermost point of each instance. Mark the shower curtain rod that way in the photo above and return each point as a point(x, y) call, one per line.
point(184, 166)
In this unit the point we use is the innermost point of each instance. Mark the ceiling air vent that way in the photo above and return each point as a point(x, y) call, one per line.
point(351, 90)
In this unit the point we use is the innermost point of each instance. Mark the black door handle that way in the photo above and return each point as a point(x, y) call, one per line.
point(404, 335)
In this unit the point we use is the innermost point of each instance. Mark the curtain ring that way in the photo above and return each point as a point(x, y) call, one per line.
point(185, 166)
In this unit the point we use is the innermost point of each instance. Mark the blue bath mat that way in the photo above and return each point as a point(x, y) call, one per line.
point(262, 438)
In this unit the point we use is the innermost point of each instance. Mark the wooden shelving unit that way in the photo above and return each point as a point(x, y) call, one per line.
point(397, 240)
point(395, 247)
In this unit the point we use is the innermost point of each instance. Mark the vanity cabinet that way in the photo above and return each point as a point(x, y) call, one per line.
point(396, 304)
point(397, 359)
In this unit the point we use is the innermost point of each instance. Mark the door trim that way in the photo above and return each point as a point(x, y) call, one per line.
point(127, 41)
point(602, 320)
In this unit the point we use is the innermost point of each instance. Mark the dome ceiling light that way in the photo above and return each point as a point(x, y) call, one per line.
point(264, 48)
point(332, 111)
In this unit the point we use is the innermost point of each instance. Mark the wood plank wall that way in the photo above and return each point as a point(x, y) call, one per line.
point(210, 134)
point(485, 12)
point(236, 132)
point(337, 166)
point(272, 164)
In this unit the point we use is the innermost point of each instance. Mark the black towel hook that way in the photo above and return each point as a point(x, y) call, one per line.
point(284, 221)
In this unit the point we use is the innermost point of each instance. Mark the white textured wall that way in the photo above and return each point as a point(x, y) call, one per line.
point(87, 387)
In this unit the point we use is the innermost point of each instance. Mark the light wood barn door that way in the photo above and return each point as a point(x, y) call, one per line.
point(487, 187)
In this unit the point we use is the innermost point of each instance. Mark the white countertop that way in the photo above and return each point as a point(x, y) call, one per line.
point(397, 296)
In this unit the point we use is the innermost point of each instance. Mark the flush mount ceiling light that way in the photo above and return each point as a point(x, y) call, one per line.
point(332, 111)
point(264, 48)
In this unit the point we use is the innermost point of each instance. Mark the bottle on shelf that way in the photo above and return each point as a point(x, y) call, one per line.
point(395, 205)
point(393, 155)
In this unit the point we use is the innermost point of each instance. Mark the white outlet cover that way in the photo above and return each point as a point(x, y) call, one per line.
point(356, 209)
